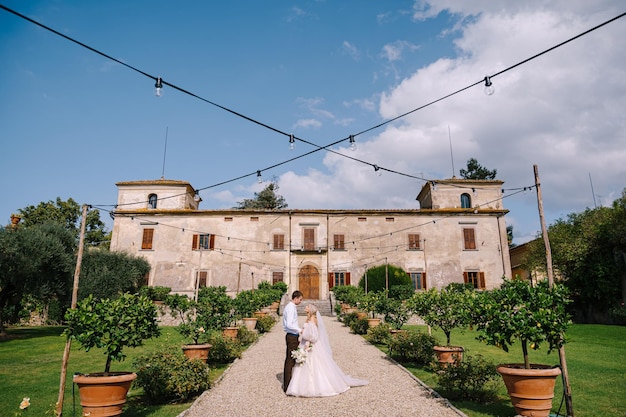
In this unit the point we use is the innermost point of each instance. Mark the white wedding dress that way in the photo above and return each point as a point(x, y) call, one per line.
point(319, 375)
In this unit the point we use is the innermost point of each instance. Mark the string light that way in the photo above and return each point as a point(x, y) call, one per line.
point(259, 178)
point(489, 88)
point(158, 87)
point(377, 170)
point(196, 197)
point(352, 143)
point(292, 142)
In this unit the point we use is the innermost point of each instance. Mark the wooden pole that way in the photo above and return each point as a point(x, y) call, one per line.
point(567, 389)
point(68, 343)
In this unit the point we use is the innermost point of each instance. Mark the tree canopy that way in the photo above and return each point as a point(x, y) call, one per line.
point(67, 213)
point(377, 277)
point(589, 255)
point(475, 171)
point(266, 199)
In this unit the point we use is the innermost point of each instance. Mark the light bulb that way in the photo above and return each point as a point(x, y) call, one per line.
point(377, 170)
point(196, 197)
point(489, 88)
point(158, 87)
point(259, 178)
point(352, 143)
point(292, 142)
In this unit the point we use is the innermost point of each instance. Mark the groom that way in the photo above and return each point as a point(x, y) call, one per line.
point(292, 328)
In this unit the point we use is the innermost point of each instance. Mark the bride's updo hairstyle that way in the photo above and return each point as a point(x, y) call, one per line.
point(311, 309)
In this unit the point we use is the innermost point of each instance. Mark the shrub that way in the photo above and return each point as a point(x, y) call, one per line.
point(379, 277)
point(412, 346)
point(472, 379)
point(338, 310)
point(379, 335)
point(396, 313)
point(169, 376)
point(264, 324)
point(401, 292)
point(245, 336)
point(223, 350)
point(359, 326)
point(349, 318)
point(618, 314)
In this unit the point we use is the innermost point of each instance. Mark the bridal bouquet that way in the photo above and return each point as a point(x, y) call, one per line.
point(300, 354)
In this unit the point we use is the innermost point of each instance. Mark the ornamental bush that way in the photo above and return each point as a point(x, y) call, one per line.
point(223, 350)
point(412, 346)
point(379, 335)
point(472, 379)
point(169, 376)
point(264, 324)
point(359, 326)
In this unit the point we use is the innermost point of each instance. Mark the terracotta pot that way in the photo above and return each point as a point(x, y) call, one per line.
point(448, 354)
point(230, 332)
point(373, 322)
point(200, 351)
point(531, 390)
point(260, 313)
point(250, 322)
point(103, 394)
point(361, 315)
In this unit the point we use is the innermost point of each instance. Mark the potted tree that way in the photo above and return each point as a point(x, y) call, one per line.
point(533, 316)
point(112, 325)
point(191, 325)
point(245, 305)
point(396, 313)
point(446, 309)
point(373, 304)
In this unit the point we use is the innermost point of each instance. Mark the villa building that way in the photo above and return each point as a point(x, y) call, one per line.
point(458, 234)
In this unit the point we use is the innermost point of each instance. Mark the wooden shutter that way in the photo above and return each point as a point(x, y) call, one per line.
point(202, 276)
point(146, 240)
point(424, 281)
point(414, 241)
point(481, 280)
point(465, 277)
point(212, 242)
point(279, 242)
point(331, 280)
point(469, 240)
point(347, 278)
point(277, 276)
point(339, 242)
point(309, 239)
point(194, 242)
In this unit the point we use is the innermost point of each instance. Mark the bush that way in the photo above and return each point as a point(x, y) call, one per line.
point(401, 292)
point(223, 350)
point(379, 335)
point(264, 324)
point(359, 326)
point(412, 346)
point(472, 379)
point(378, 276)
point(169, 376)
point(618, 314)
point(245, 336)
point(349, 318)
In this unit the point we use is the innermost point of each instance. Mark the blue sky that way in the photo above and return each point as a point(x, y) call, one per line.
point(73, 123)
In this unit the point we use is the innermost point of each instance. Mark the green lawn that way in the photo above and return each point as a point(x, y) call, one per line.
point(30, 366)
point(596, 360)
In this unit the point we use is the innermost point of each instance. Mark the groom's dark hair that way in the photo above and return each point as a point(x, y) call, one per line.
point(296, 294)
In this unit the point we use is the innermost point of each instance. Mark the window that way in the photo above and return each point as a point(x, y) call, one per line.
point(362, 219)
point(466, 201)
point(309, 239)
point(146, 240)
point(279, 242)
point(203, 242)
point(152, 201)
point(414, 241)
point(476, 278)
point(254, 219)
point(201, 277)
point(418, 279)
point(228, 219)
point(469, 238)
point(338, 278)
point(390, 219)
point(277, 276)
point(339, 242)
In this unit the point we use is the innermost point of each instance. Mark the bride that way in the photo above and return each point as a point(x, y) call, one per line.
point(317, 374)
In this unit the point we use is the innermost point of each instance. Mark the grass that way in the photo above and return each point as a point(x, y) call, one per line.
point(596, 361)
point(30, 366)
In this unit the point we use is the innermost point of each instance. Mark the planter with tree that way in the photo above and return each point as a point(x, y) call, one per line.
point(112, 325)
point(374, 304)
point(396, 312)
point(191, 326)
point(532, 316)
point(447, 309)
point(245, 304)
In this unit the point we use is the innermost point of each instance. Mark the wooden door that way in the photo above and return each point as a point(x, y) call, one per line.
point(309, 282)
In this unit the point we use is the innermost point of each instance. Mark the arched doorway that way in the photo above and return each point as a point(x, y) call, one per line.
point(309, 282)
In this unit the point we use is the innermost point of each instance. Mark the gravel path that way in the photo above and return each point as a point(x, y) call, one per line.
point(252, 385)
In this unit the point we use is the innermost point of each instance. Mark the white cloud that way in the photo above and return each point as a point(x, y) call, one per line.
point(562, 111)
point(393, 51)
point(350, 50)
point(308, 124)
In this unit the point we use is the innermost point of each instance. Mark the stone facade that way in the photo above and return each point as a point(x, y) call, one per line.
point(457, 234)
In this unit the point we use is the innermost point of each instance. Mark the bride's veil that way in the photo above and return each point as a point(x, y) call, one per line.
point(322, 335)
